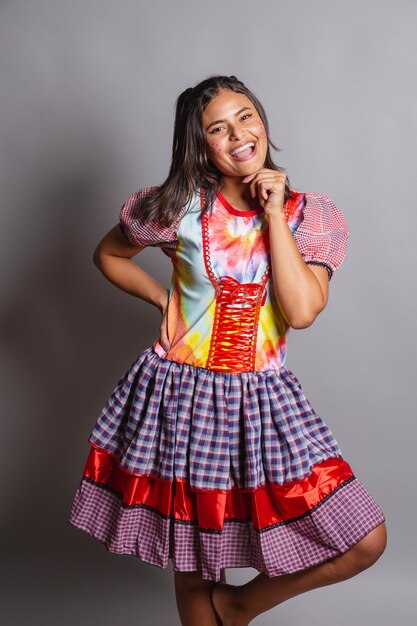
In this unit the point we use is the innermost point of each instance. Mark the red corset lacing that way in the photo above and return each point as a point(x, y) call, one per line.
point(236, 318)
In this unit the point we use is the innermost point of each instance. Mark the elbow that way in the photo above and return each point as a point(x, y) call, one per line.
point(302, 311)
point(98, 257)
point(302, 319)
point(300, 322)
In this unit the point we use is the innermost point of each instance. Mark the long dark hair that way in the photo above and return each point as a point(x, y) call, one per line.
point(191, 167)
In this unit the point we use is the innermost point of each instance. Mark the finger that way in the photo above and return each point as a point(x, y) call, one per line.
point(257, 174)
point(268, 186)
point(163, 338)
point(269, 176)
point(269, 182)
point(254, 187)
point(164, 342)
point(270, 179)
point(257, 189)
point(264, 170)
point(263, 192)
point(247, 179)
point(272, 187)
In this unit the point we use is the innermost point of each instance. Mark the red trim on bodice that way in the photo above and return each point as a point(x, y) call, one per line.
point(234, 211)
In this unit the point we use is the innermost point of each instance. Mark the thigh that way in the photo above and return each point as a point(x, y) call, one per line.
point(192, 580)
point(195, 580)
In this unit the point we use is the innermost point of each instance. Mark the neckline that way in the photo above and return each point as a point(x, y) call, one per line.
point(234, 211)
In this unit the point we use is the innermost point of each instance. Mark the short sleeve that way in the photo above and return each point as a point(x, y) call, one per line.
point(152, 233)
point(322, 234)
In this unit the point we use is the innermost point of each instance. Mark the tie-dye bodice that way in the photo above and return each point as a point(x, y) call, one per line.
point(223, 314)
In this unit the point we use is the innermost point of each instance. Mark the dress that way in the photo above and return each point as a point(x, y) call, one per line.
point(210, 454)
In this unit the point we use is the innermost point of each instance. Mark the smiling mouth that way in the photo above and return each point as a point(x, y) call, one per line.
point(244, 152)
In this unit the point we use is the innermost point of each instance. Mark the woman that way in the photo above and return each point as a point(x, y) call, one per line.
point(207, 452)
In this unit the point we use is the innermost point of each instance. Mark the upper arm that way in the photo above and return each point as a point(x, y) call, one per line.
point(322, 276)
point(115, 243)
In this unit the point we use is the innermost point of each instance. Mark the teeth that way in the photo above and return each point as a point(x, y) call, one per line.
point(242, 148)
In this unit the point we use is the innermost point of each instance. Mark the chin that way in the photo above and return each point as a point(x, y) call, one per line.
point(251, 168)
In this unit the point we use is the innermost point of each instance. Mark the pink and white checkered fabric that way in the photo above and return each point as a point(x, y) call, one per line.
point(150, 234)
point(337, 523)
point(321, 236)
point(323, 233)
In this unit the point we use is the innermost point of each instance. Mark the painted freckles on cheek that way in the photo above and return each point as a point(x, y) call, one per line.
point(215, 149)
point(260, 131)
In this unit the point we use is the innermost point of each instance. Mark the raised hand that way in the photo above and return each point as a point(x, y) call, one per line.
point(269, 186)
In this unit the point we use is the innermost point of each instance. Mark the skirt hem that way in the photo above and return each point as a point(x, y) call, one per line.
point(329, 530)
point(215, 579)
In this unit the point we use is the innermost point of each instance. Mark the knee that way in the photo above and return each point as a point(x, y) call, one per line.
point(370, 548)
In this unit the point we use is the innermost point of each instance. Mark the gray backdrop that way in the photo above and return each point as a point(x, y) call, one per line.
point(87, 95)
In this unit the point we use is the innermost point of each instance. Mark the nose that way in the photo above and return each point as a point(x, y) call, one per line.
point(235, 132)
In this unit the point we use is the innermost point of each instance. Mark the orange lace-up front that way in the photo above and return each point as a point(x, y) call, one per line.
point(235, 327)
point(238, 306)
point(233, 340)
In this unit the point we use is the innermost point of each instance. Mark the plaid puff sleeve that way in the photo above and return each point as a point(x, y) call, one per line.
point(151, 234)
point(322, 234)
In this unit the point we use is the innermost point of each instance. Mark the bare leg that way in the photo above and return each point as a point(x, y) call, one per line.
point(238, 605)
point(193, 595)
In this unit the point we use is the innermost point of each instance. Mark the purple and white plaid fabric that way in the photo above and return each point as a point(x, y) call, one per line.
point(337, 523)
point(214, 429)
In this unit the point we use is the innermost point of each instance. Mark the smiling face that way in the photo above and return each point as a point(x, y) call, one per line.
point(235, 134)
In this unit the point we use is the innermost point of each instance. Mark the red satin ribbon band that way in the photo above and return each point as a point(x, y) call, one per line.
point(267, 505)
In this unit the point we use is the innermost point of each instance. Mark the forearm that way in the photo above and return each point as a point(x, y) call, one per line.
point(297, 289)
point(125, 274)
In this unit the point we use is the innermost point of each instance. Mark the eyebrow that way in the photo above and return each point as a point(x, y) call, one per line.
point(236, 114)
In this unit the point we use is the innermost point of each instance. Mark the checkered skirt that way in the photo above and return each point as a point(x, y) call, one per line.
point(217, 470)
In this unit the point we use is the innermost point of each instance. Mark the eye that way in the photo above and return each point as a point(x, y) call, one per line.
point(215, 130)
point(245, 117)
